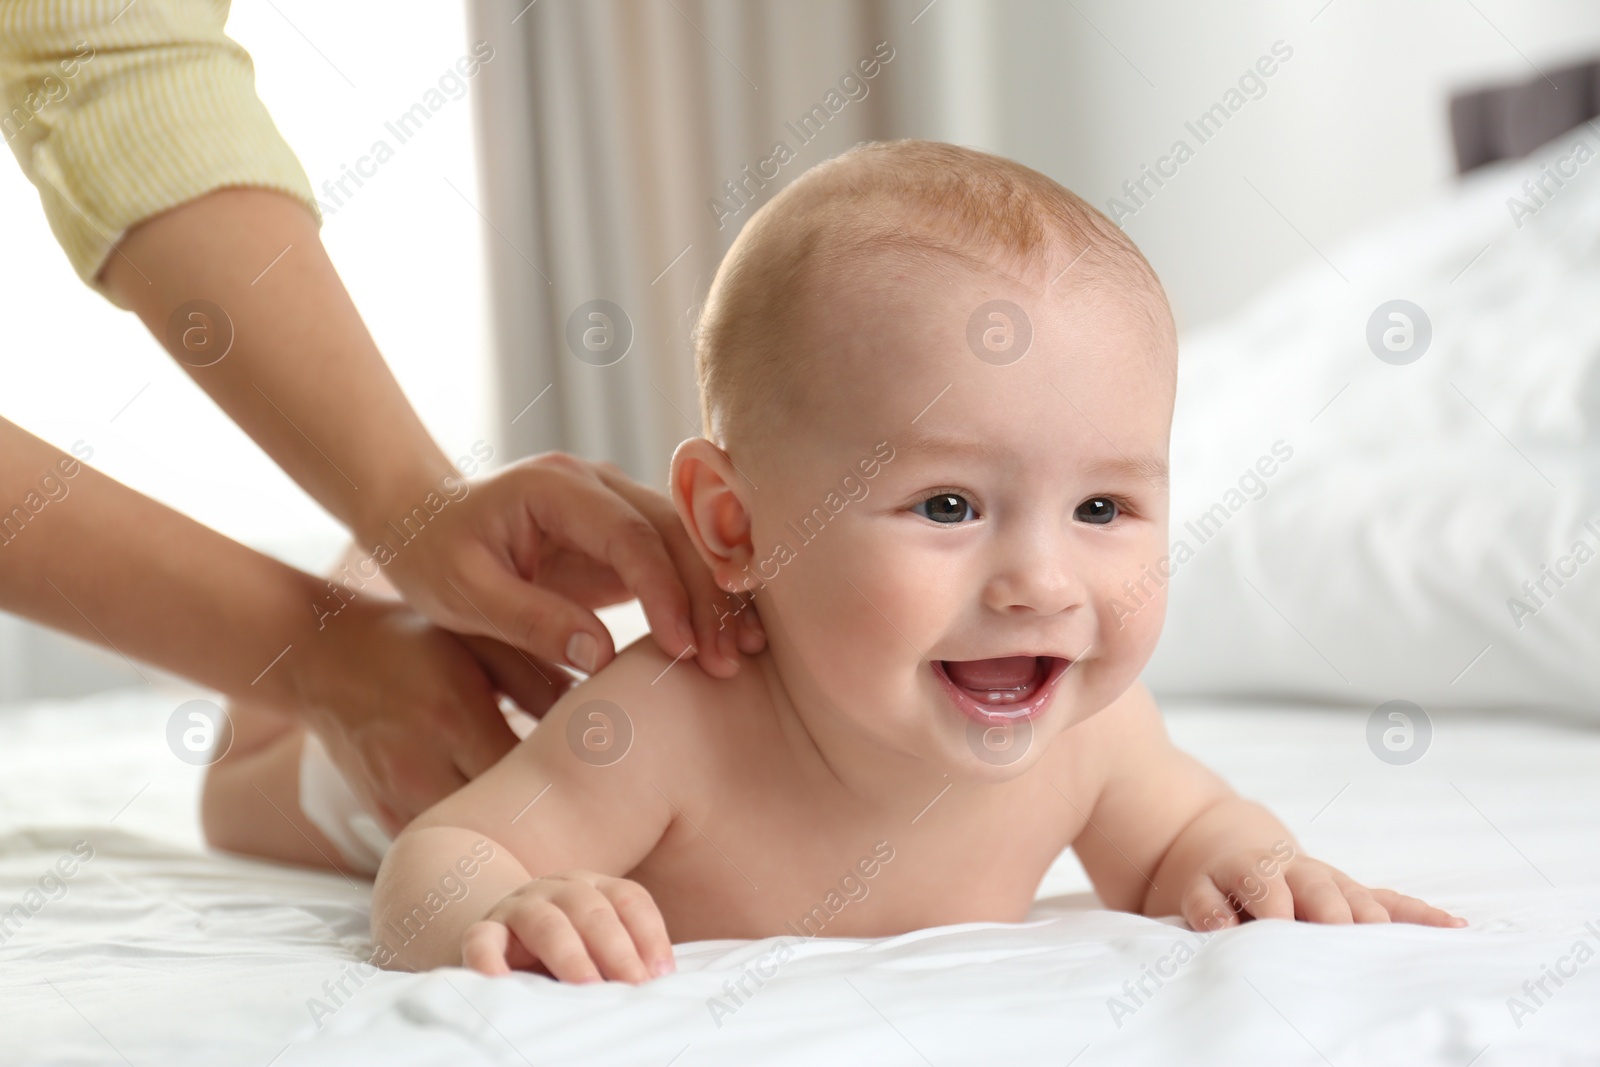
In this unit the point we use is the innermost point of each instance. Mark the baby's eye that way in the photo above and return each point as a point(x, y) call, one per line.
point(946, 508)
point(1098, 510)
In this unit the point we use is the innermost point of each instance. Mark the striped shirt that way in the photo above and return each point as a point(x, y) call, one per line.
point(119, 111)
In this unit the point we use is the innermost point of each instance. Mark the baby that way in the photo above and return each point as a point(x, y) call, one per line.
point(937, 391)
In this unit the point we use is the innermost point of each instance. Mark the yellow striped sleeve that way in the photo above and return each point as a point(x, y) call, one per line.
point(118, 112)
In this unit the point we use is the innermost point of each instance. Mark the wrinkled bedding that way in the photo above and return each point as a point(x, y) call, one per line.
point(154, 951)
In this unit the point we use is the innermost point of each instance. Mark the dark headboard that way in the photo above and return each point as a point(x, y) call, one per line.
point(1508, 121)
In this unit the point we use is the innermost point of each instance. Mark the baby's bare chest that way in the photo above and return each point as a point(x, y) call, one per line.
point(766, 865)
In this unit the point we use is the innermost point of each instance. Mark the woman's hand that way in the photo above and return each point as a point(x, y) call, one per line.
point(408, 711)
point(526, 554)
point(577, 926)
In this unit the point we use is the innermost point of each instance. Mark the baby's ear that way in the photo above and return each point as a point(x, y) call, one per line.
point(709, 494)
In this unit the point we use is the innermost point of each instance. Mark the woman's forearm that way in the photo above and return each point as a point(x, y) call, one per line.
point(300, 372)
point(82, 553)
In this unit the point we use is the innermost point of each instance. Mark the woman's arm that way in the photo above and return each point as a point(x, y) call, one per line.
point(85, 554)
point(301, 374)
point(243, 272)
point(162, 195)
point(403, 706)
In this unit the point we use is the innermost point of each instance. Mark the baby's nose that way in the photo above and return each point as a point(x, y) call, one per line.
point(1038, 575)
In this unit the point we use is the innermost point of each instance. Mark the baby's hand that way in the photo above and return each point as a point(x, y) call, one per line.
point(1282, 884)
point(577, 926)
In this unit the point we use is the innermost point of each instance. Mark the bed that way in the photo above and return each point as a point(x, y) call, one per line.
point(155, 951)
point(123, 941)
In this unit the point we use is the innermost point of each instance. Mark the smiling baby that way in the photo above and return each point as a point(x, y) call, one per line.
point(937, 391)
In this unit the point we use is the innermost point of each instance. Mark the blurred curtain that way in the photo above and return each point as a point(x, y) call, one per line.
point(609, 130)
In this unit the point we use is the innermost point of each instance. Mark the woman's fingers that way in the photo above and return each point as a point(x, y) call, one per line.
point(752, 637)
point(541, 623)
point(412, 782)
point(585, 511)
point(476, 736)
point(714, 613)
point(406, 712)
point(534, 684)
point(394, 776)
point(529, 553)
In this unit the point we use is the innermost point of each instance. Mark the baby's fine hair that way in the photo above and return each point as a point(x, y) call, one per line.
point(908, 199)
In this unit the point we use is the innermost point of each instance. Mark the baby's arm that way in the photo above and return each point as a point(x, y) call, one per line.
point(546, 835)
point(1169, 837)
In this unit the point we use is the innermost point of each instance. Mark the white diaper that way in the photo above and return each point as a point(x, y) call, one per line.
point(332, 806)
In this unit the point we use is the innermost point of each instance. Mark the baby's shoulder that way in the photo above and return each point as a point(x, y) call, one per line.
point(627, 750)
point(667, 714)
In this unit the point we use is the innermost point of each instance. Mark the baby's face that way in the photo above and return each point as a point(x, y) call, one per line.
point(945, 534)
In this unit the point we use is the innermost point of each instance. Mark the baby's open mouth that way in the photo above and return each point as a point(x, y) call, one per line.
point(1003, 688)
point(998, 681)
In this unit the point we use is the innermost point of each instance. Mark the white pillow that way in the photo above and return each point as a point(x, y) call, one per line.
point(1385, 554)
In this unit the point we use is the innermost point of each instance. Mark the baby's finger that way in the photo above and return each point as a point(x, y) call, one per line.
point(1364, 907)
point(1318, 900)
point(607, 939)
point(484, 948)
point(638, 911)
point(1206, 908)
point(1404, 909)
point(1263, 896)
point(548, 935)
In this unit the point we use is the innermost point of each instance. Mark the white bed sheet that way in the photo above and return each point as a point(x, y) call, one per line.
point(159, 953)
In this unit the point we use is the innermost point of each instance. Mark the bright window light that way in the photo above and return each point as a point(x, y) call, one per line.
point(407, 242)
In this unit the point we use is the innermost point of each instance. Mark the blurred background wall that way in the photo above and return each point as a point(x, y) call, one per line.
point(609, 133)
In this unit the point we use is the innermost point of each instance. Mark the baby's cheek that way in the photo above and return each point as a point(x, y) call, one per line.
point(1130, 626)
point(1120, 657)
point(838, 634)
point(1142, 631)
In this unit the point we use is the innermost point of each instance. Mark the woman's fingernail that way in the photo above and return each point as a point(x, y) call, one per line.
point(663, 967)
point(582, 651)
point(686, 630)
